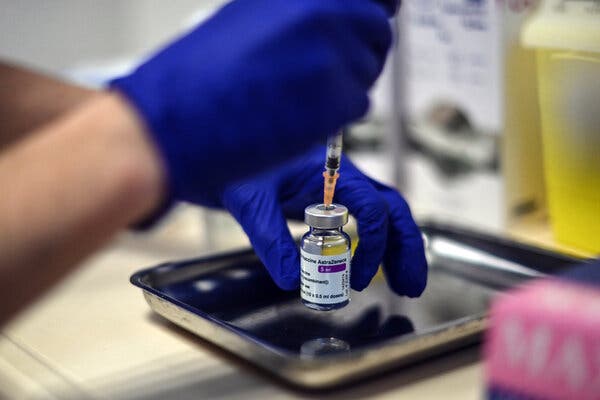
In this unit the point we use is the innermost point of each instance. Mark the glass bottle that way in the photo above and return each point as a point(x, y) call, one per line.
point(325, 258)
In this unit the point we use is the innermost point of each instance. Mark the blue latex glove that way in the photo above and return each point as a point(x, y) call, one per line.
point(386, 228)
point(259, 82)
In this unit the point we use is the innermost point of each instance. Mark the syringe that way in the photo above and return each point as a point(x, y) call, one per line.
point(332, 166)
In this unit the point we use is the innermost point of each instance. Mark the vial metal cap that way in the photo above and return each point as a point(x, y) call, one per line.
point(321, 216)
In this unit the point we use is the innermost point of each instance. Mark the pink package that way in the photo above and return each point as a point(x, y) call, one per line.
point(543, 341)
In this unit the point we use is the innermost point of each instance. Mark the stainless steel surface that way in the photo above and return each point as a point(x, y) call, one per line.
point(230, 301)
point(331, 370)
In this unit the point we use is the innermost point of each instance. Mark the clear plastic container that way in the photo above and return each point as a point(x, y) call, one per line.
point(566, 36)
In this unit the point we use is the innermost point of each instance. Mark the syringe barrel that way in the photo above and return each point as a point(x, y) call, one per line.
point(334, 153)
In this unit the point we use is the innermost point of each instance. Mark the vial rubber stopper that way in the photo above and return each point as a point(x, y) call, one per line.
point(323, 216)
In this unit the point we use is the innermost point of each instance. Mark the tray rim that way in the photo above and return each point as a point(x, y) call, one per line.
point(307, 373)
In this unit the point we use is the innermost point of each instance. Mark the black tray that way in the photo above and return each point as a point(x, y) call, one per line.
point(230, 300)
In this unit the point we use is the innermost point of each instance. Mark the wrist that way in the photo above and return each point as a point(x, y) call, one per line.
point(139, 170)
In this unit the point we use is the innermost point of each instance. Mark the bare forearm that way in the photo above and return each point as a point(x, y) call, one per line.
point(29, 99)
point(66, 189)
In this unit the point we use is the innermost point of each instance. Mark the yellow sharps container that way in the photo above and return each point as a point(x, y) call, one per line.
point(566, 36)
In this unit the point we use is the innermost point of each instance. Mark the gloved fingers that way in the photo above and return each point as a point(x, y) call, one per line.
point(341, 60)
point(358, 32)
point(371, 213)
point(369, 22)
point(343, 98)
point(257, 210)
point(404, 262)
point(364, 62)
point(391, 6)
point(352, 102)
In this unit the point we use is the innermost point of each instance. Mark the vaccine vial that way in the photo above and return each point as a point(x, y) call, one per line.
point(325, 258)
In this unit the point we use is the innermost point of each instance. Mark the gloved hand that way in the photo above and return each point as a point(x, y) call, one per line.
point(259, 82)
point(386, 228)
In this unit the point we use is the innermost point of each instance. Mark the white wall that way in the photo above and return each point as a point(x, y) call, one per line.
point(57, 35)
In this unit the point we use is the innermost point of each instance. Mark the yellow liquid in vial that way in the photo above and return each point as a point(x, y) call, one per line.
point(333, 247)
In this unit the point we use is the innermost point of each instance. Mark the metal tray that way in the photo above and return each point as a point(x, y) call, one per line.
point(230, 300)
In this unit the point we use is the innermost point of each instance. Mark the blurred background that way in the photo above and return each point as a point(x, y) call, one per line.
point(455, 121)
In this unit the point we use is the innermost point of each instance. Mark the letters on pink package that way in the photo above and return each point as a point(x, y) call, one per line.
point(544, 341)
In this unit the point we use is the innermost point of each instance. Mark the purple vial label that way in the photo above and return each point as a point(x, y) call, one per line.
point(328, 269)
